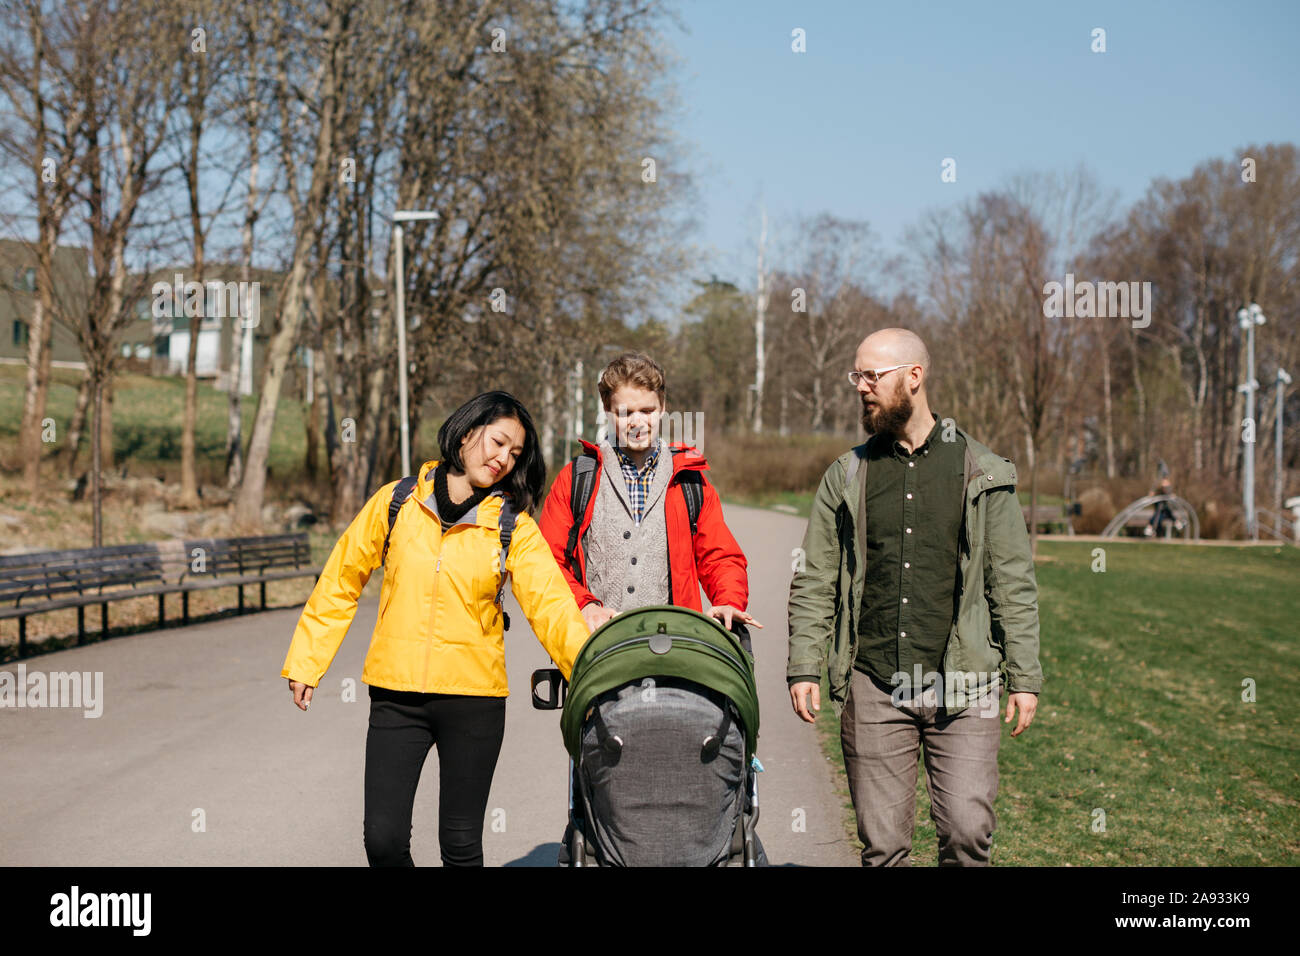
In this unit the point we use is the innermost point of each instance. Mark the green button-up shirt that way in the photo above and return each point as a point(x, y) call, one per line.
point(914, 512)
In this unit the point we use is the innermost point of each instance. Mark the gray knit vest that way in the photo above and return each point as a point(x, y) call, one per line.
point(627, 564)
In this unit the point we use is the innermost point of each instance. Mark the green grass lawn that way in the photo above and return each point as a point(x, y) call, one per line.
point(147, 417)
point(1142, 717)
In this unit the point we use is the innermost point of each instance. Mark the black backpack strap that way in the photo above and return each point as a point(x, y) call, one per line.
point(580, 487)
point(506, 526)
point(692, 485)
point(507, 531)
point(400, 494)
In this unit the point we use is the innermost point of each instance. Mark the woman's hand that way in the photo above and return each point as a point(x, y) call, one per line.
point(301, 694)
point(596, 614)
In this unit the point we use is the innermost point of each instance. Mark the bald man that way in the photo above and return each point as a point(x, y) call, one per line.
point(917, 594)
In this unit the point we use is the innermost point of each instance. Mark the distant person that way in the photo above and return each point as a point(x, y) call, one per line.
point(436, 665)
point(1163, 511)
point(916, 591)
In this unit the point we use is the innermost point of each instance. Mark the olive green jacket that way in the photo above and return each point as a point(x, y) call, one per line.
point(996, 628)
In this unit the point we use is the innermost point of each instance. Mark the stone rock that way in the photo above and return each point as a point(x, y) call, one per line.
point(213, 524)
point(146, 489)
point(214, 495)
point(298, 516)
point(169, 523)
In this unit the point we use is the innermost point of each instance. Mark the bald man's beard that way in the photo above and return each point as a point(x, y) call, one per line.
point(888, 419)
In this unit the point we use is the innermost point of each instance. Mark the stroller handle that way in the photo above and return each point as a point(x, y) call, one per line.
point(742, 634)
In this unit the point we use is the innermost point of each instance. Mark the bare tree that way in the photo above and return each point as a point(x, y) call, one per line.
point(202, 72)
point(326, 48)
point(37, 82)
point(830, 308)
point(122, 77)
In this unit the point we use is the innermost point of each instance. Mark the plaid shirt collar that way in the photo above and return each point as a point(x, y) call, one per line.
point(638, 481)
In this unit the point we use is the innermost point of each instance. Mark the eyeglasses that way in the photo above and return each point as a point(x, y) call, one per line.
point(873, 375)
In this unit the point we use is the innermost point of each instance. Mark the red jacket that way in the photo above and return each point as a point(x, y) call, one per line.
point(715, 561)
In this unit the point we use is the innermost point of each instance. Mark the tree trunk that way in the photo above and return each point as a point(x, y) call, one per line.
point(96, 450)
point(238, 368)
point(105, 430)
point(78, 425)
point(818, 403)
point(308, 219)
point(1108, 419)
point(39, 353)
point(311, 461)
point(377, 422)
point(35, 395)
point(248, 503)
point(236, 371)
point(51, 206)
point(1142, 406)
point(548, 415)
point(189, 479)
point(760, 328)
point(1033, 498)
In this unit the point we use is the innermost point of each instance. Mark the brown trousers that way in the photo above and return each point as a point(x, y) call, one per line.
point(881, 741)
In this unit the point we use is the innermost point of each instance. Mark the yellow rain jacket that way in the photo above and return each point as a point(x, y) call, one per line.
point(439, 629)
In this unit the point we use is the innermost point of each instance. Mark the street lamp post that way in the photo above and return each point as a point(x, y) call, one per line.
point(399, 217)
point(1248, 318)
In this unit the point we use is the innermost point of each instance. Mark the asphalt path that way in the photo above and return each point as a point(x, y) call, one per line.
point(199, 757)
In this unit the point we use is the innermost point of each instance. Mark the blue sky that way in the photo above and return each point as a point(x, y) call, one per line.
point(860, 123)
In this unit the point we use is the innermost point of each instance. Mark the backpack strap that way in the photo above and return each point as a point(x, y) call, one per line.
point(583, 481)
point(507, 531)
point(692, 485)
point(400, 494)
point(851, 469)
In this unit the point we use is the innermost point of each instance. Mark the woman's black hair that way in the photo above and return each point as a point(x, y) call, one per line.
point(528, 477)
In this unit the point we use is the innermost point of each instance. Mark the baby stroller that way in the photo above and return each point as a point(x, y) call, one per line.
point(661, 721)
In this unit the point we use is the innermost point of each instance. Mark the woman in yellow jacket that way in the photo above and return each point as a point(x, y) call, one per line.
point(436, 665)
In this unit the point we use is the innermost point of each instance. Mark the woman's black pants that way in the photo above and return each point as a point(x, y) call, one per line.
point(403, 726)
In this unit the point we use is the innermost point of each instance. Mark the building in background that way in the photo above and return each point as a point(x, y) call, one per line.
point(18, 301)
point(171, 333)
point(149, 345)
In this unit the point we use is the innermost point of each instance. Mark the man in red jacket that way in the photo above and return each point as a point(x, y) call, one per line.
point(634, 544)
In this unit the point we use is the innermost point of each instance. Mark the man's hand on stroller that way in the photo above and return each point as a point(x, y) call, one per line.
point(725, 612)
point(799, 699)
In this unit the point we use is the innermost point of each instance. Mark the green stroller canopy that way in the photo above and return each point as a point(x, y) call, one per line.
point(661, 641)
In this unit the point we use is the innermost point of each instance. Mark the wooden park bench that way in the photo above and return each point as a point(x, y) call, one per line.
point(50, 580)
point(1049, 518)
